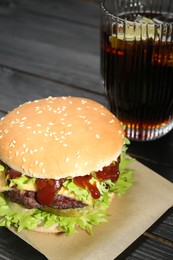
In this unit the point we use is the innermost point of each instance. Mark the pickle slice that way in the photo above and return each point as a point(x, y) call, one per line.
point(70, 212)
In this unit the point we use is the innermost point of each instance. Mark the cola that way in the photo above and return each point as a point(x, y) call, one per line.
point(137, 73)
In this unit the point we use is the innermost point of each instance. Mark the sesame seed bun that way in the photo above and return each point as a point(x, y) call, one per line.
point(60, 137)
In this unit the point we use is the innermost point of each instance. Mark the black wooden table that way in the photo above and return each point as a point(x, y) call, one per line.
point(51, 47)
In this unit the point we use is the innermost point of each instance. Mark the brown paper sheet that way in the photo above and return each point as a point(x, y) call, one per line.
point(150, 196)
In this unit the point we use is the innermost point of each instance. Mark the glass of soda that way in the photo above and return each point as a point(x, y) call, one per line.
point(137, 64)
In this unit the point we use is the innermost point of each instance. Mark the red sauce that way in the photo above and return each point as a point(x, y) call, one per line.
point(12, 174)
point(83, 182)
point(46, 190)
point(109, 172)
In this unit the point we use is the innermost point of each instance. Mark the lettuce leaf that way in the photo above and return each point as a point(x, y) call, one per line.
point(12, 214)
point(21, 181)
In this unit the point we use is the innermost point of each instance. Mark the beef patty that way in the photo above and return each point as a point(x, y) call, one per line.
point(29, 200)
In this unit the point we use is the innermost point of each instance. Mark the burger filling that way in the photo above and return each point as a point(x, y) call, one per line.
point(27, 203)
point(43, 193)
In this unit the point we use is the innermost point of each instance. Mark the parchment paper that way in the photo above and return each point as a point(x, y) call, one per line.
point(150, 196)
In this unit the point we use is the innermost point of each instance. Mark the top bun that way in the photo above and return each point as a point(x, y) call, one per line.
point(60, 137)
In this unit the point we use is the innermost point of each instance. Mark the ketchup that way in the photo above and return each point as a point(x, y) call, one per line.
point(46, 190)
point(83, 182)
point(12, 174)
point(109, 172)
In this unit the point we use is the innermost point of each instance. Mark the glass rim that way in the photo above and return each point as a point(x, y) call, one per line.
point(113, 16)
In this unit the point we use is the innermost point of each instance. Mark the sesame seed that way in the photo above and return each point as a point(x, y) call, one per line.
point(29, 127)
point(111, 121)
point(37, 108)
point(6, 131)
point(76, 165)
point(119, 131)
point(68, 133)
point(36, 162)
point(12, 145)
point(65, 145)
point(103, 114)
point(1, 136)
point(69, 125)
point(43, 170)
point(41, 164)
point(79, 108)
point(50, 123)
point(67, 159)
point(38, 125)
point(40, 111)
point(23, 118)
point(83, 102)
point(83, 117)
point(86, 163)
point(97, 136)
point(24, 145)
point(95, 108)
point(24, 159)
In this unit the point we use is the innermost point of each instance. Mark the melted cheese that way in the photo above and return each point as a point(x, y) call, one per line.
point(4, 187)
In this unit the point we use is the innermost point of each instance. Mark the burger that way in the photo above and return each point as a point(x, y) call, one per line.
point(62, 159)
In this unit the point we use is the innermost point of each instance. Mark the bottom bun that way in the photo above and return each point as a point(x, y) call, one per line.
point(53, 229)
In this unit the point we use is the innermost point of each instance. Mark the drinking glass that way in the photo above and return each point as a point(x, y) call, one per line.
point(137, 64)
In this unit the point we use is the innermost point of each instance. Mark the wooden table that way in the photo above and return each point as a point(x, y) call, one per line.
point(50, 47)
